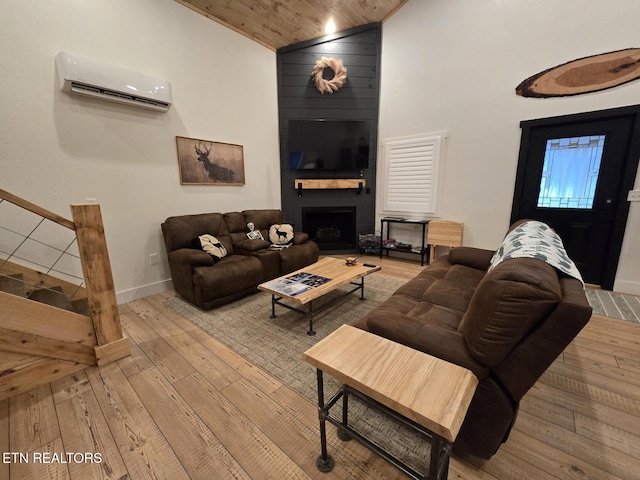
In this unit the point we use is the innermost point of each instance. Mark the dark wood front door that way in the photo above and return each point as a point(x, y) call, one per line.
point(572, 175)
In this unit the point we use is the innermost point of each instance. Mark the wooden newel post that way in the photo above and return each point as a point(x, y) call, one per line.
point(99, 283)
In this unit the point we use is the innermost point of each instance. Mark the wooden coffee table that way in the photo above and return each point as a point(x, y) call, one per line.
point(314, 281)
point(425, 393)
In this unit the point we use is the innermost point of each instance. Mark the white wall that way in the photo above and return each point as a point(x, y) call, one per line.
point(57, 149)
point(454, 65)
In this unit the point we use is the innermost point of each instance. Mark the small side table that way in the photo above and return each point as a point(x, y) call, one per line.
point(426, 393)
point(423, 250)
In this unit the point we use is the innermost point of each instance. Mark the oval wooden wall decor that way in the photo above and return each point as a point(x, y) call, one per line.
point(584, 75)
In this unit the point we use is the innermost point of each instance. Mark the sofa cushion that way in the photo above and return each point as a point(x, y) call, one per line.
point(281, 234)
point(507, 303)
point(211, 245)
point(395, 304)
point(522, 368)
point(300, 237)
point(449, 294)
point(237, 226)
point(271, 262)
point(416, 287)
point(439, 315)
point(298, 256)
point(464, 275)
point(251, 245)
point(180, 231)
point(471, 257)
point(231, 274)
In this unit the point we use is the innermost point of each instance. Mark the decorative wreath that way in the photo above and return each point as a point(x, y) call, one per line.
point(339, 75)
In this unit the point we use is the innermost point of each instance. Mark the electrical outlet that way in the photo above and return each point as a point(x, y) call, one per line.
point(153, 259)
point(634, 196)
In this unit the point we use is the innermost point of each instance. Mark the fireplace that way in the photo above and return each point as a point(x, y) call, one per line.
point(332, 228)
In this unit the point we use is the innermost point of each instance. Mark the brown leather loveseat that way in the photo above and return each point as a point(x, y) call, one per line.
point(506, 325)
point(207, 281)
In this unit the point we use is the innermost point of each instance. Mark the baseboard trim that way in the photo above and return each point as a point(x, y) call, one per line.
point(622, 286)
point(142, 291)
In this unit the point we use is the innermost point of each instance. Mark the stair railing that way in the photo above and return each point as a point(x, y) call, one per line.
point(52, 265)
point(95, 275)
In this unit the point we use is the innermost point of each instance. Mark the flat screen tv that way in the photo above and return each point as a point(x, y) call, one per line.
point(329, 144)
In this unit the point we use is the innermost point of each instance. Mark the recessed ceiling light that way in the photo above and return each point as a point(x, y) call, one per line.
point(330, 27)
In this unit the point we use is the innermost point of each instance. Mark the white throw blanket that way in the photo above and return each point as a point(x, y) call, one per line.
point(535, 239)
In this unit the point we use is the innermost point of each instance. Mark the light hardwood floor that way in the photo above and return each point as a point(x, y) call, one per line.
point(185, 406)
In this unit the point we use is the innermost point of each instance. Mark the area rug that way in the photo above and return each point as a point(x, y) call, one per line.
point(614, 305)
point(276, 345)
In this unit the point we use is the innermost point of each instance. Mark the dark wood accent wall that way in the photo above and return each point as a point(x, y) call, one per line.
point(298, 98)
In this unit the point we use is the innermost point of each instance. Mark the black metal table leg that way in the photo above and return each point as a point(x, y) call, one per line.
point(325, 461)
point(273, 306)
point(311, 332)
point(440, 447)
point(342, 433)
point(424, 234)
point(362, 288)
point(439, 462)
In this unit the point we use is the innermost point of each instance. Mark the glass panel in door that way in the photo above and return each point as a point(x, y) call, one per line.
point(570, 172)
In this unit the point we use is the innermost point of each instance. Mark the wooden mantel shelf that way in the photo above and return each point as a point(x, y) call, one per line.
point(330, 183)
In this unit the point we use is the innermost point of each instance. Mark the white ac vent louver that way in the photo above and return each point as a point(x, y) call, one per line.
point(89, 77)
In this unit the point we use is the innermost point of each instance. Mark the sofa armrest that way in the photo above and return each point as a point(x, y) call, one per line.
point(248, 245)
point(478, 258)
point(300, 238)
point(448, 345)
point(190, 257)
point(181, 263)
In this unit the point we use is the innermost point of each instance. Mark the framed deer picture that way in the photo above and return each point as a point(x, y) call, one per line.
point(204, 162)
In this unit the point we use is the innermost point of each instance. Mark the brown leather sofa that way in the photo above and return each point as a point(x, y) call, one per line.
point(506, 326)
point(208, 283)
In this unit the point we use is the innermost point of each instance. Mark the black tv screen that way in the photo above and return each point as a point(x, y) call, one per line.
point(329, 144)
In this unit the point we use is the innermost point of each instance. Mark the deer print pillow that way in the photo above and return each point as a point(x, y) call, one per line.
point(211, 245)
point(281, 234)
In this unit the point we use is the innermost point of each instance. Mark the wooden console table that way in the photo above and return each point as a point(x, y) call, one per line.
point(426, 393)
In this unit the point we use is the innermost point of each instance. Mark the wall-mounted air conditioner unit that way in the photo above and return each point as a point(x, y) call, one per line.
point(99, 80)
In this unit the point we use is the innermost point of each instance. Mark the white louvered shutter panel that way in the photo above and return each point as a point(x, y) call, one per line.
point(412, 175)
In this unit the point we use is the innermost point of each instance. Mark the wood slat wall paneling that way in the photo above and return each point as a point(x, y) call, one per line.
point(358, 99)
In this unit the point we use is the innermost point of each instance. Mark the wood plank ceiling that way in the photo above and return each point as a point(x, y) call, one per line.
point(279, 23)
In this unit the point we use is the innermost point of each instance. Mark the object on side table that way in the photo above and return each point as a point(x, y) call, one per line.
point(351, 261)
point(405, 247)
point(369, 243)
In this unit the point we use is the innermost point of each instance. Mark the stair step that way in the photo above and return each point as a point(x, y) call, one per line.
point(53, 296)
point(81, 306)
point(13, 284)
